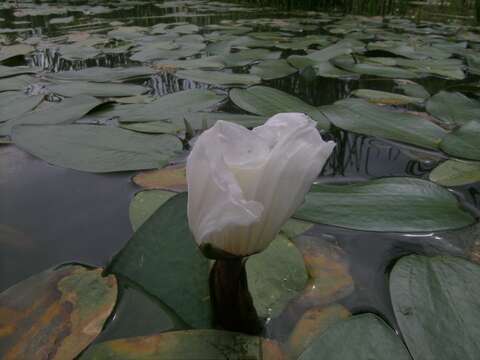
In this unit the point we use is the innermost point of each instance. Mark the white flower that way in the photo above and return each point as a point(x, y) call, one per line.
point(244, 185)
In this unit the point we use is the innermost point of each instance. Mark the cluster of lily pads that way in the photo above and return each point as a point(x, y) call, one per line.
point(58, 107)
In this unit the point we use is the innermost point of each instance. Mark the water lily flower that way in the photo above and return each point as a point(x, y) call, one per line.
point(243, 185)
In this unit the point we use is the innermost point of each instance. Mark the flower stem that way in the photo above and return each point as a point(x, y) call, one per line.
point(232, 303)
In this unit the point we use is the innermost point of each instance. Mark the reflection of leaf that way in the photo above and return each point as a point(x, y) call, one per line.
point(188, 345)
point(437, 305)
point(57, 312)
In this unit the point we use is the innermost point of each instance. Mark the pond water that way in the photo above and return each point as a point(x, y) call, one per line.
point(51, 215)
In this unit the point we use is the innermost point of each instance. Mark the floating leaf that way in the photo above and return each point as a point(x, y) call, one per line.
point(188, 345)
point(463, 142)
point(16, 103)
point(456, 173)
point(411, 88)
point(145, 203)
point(437, 306)
point(172, 105)
point(312, 324)
point(385, 98)
point(7, 71)
point(394, 204)
point(163, 246)
point(361, 337)
point(265, 101)
point(76, 88)
point(348, 63)
point(272, 69)
point(57, 312)
point(275, 276)
point(96, 148)
point(453, 109)
point(11, 51)
point(64, 112)
point(16, 83)
point(171, 178)
point(361, 117)
point(246, 57)
point(104, 74)
point(218, 77)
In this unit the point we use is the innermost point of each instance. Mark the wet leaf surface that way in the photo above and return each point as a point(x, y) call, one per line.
point(456, 173)
point(265, 101)
point(95, 148)
point(147, 261)
point(436, 303)
point(361, 117)
point(463, 142)
point(390, 204)
point(57, 313)
point(275, 276)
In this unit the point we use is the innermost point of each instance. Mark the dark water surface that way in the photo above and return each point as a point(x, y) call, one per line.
point(50, 215)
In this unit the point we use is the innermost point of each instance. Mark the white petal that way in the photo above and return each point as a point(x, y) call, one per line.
point(295, 161)
point(217, 207)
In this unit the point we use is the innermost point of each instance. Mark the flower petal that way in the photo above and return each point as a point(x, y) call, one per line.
point(218, 212)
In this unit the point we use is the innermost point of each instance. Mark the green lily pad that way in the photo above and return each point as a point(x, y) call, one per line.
point(96, 148)
point(203, 63)
point(276, 276)
point(323, 69)
point(246, 57)
point(104, 74)
point(76, 88)
point(272, 69)
point(437, 306)
point(411, 88)
point(57, 312)
point(360, 337)
point(390, 204)
point(64, 112)
point(11, 51)
point(453, 109)
point(361, 117)
point(171, 106)
point(187, 345)
point(265, 101)
point(219, 77)
point(348, 63)
point(7, 71)
point(16, 103)
point(385, 98)
point(463, 142)
point(15, 83)
point(145, 203)
point(163, 246)
point(456, 173)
